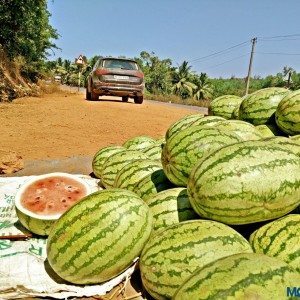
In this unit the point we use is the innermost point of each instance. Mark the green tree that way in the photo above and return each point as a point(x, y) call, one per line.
point(181, 81)
point(203, 88)
point(25, 31)
point(157, 73)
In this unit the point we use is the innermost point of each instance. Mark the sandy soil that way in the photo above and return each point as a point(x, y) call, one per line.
point(64, 124)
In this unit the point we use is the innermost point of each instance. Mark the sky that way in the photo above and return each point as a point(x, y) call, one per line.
point(214, 36)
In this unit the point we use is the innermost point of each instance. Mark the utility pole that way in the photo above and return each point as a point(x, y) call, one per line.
point(254, 40)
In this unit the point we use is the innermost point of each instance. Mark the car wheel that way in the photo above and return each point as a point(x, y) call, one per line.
point(125, 98)
point(94, 96)
point(88, 95)
point(138, 100)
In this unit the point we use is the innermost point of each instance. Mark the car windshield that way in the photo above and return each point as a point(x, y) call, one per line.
point(119, 64)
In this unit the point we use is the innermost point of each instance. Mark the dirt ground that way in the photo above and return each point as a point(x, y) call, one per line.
point(65, 124)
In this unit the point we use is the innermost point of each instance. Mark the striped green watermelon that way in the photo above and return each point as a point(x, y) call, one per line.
point(170, 207)
point(134, 171)
point(191, 120)
point(152, 184)
point(115, 163)
point(139, 142)
point(265, 131)
point(186, 147)
point(174, 253)
point(236, 112)
point(99, 237)
point(246, 182)
point(259, 107)
point(295, 138)
point(100, 157)
point(154, 151)
point(240, 276)
point(280, 239)
point(288, 113)
point(244, 130)
point(284, 142)
point(224, 106)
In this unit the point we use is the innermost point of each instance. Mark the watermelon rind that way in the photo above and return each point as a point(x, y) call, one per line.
point(36, 223)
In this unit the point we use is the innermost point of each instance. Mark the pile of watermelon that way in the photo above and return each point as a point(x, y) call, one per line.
point(211, 209)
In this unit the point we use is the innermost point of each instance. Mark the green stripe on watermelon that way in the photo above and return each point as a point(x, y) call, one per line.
point(240, 276)
point(191, 120)
point(139, 142)
point(186, 147)
point(134, 171)
point(288, 113)
point(152, 184)
point(115, 163)
point(154, 151)
point(174, 253)
point(259, 107)
point(100, 157)
point(280, 239)
point(246, 182)
point(170, 207)
point(99, 237)
point(224, 106)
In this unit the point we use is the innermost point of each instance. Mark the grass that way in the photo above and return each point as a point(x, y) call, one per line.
point(178, 100)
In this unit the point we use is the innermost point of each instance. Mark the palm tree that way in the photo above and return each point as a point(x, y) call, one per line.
point(203, 87)
point(182, 85)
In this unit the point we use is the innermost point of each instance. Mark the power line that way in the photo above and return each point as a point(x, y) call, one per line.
point(227, 61)
point(279, 36)
point(278, 53)
point(219, 52)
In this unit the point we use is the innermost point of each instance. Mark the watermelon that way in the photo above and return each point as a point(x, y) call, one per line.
point(224, 106)
point(191, 120)
point(100, 157)
point(240, 276)
point(247, 182)
point(134, 171)
point(265, 131)
point(173, 254)
point(288, 113)
point(186, 147)
point(170, 207)
point(280, 238)
point(259, 107)
point(139, 142)
point(295, 138)
point(154, 151)
point(244, 130)
point(99, 237)
point(235, 113)
point(41, 200)
point(152, 184)
point(284, 142)
point(113, 164)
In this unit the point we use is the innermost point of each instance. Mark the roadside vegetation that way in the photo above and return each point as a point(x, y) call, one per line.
point(26, 39)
